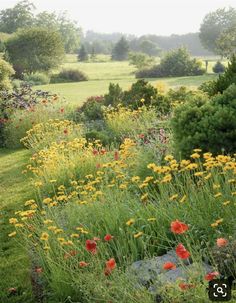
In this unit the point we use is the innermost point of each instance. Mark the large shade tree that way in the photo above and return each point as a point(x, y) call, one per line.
point(35, 49)
point(213, 25)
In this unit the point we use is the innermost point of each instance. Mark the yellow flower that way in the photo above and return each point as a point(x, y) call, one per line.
point(218, 195)
point(130, 222)
point(195, 156)
point(13, 220)
point(151, 219)
point(207, 176)
point(52, 227)
point(197, 150)
point(74, 235)
point(47, 200)
point(183, 199)
point(12, 234)
point(46, 247)
point(174, 197)
point(214, 224)
point(135, 179)
point(144, 197)
point(47, 221)
point(58, 230)
point(44, 236)
point(226, 203)
point(19, 225)
point(199, 174)
point(29, 202)
point(139, 234)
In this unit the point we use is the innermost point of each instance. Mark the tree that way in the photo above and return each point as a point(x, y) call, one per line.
point(35, 49)
point(6, 71)
point(226, 43)
point(150, 48)
point(69, 31)
point(213, 25)
point(140, 60)
point(120, 50)
point(82, 55)
point(21, 15)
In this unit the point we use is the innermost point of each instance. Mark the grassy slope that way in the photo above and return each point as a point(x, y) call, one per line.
point(101, 74)
point(14, 190)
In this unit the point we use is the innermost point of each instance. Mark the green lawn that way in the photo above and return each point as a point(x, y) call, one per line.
point(14, 264)
point(77, 92)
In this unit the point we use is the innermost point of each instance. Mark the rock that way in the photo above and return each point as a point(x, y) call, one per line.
point(150, 272)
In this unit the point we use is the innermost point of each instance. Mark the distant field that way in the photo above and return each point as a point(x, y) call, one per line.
point(100, 74)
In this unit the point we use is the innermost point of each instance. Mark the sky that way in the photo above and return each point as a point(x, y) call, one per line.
point(139, 17)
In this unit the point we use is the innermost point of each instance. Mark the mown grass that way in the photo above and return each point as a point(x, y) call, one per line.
point(14, 263)
point(101, 74)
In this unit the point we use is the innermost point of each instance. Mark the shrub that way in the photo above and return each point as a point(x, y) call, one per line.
point(6, 71)
point(22, 120)
point(123, 122)
point(42, 135)
point(92, 108)
point(218, 68)
point(69, 75)
point(224, 81)
point(176, 63)
point(206, 124)
point(114, 95)
point(36, 79)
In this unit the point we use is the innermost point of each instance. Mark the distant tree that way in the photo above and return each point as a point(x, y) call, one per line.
point(120, 50)
point(140, 60)
point(93, 53)
point(69, 31)
point(35, 49)
point(213, 25)
point(150, 48)
point(218, 68)
point(226, 43)
point(82, 55)
point(21, 15)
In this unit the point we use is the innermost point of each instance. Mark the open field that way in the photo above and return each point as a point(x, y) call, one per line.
point(101, 74)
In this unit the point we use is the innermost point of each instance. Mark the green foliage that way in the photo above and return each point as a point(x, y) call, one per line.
point(218, 68)
point(120, 50)
point(223, 82)
point(69, 75)
point(114, 95)
point(69, 31)
point(140, 60)
point(211, 124)
point(149, 47)
point(92, 108)
point(21, 15)
point(82, 54)
point(35, 49)
point(226, 43)
point(36, 79)
point(176, 63)
point(213, 25)
point(6, 71)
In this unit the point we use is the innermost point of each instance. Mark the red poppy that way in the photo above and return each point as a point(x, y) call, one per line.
point(103, 151)
point(182, 252)
point(221, 242)
point(95, 151)
point(116, 156)
point(108, 237)
point(91, 246)
point(62, 110)
point(169, 265)
point(83, 264)
point(65, 131)
point(141, 136)
point(110, 265)
point(211, 275)
point(178, 227)
point(185, 286)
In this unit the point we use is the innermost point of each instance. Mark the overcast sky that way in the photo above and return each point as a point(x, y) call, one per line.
point(161, 17)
